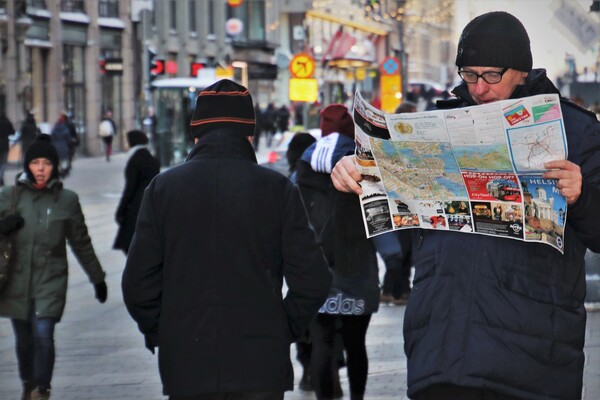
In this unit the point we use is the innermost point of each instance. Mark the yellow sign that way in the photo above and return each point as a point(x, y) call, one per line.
point(304, 90)
point(302, 66)
point(224, 73)
point(391, 92)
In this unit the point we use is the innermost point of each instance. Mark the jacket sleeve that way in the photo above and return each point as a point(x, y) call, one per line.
point(142, 277)
point(584, 215)
point(81, 243)
point(305, 270)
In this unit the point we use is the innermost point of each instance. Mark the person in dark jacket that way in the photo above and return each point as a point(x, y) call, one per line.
point(299, 143)
point(29, 131)
point(34, 296)
point(73, 140)
point(490, 317)
point(6, 129)
point(215, 238)
point(258, 128)
point(61, 139)
point(354, 295)
point(141, 168)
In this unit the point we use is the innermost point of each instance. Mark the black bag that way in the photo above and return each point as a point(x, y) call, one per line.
point(6, 246)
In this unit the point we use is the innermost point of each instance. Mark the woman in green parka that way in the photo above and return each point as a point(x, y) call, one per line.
point(34, 296)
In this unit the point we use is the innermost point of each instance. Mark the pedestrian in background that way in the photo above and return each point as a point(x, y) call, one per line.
point(215, 238)
point(354, 294)
point(61, 139)
point(490, 317)
point(6, 130)
point(298, 144)
point(34, 296)
point(29, 131)
point(107, 131)
point(258, 130)
point(283, 119)
point(269, 120)
point(140, 169)
point(73, 140)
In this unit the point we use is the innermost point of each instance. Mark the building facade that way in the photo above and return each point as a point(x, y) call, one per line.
point(85, 57)
point(71, 56)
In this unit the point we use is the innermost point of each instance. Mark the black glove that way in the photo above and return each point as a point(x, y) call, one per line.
point(101, 291)
point(149, 342)
point(11, 223)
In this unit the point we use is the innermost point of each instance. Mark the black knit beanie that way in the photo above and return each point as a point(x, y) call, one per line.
point(300, 142)
point(136, 137)
point(41, 148)
point(224, 104)
point(496, 39)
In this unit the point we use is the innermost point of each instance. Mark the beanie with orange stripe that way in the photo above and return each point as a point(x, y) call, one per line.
point(224, 104)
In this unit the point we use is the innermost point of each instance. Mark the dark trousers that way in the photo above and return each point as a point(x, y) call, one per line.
point(35, 349)
point(235, 396)
point(451, 392)
point(396, 281)
point(324, 360)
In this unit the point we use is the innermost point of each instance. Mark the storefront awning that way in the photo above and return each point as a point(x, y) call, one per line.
point(346, 22)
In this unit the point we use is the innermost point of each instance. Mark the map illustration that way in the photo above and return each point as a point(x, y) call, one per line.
point(492, 157)
point(532, 146)
point(418, 170)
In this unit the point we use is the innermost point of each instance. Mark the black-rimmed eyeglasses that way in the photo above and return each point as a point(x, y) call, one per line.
point(491, 77)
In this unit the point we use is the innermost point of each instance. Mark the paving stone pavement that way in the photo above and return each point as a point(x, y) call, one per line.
point(101, 355)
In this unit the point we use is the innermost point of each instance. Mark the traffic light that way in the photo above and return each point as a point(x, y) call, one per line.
point(195, 67)
point(156, 66)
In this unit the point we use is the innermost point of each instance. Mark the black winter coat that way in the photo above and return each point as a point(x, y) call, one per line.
point(6, 129)
point(139, 171)
point(214, 240)
point(502, 314)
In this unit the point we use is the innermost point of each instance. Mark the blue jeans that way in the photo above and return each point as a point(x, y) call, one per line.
point(35, 349)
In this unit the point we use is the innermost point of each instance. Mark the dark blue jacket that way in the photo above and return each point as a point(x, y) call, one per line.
point(502, 314)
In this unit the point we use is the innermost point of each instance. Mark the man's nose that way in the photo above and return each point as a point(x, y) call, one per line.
point(481, 86)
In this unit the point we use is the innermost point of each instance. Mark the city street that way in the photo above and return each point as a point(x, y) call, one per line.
point(101, 354)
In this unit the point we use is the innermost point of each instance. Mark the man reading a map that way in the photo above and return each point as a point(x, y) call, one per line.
point(489, 317)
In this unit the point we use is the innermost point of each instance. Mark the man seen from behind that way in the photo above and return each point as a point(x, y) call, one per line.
point(215, 238)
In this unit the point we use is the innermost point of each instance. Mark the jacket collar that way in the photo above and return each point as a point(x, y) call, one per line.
point(222, 143)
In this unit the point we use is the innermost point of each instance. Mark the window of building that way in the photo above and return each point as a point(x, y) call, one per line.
point(192, 15)
point(173, 15)
point(211, 17)
point(252, 14)
point(72, 5)
point(108, 8)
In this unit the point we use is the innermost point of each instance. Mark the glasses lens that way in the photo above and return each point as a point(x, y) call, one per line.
point(468, 76)
point(492, 77)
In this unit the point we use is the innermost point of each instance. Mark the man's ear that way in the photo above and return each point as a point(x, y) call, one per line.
point(196, 140)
